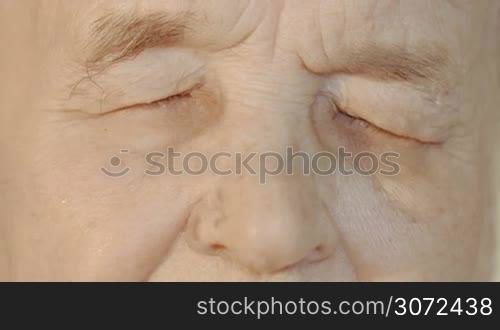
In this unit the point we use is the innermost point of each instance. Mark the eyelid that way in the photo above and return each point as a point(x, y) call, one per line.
point(365, 124)
point(166, 101)
point(426, 115)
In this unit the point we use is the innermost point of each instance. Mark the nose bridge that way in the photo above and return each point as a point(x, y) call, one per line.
point(271, 89)
point(268, 106)
point(271, 226)
point(265, 228)
point(276, 82)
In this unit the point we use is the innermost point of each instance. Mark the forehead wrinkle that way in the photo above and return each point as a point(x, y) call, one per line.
point(118, 36)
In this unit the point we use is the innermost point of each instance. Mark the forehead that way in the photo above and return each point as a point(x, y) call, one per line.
point(337, 19)
point(336, 28)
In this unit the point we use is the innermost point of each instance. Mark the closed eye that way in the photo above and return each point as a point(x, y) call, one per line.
point(166, 103)
point(356, 122)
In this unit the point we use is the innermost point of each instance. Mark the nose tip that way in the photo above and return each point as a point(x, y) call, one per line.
point(274, 236)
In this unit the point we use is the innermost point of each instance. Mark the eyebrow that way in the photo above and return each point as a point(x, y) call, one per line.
point(116, 37)
point(119, 36)
point(426, 63)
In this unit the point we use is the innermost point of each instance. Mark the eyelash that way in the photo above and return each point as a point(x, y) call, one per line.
point(170, 99)
point(188, 93)
point(366, 125)
point(360, 122)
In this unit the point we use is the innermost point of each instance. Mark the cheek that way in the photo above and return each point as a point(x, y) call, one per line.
point(433, 187)
point(428, 212)
point(410, 232)
point(102, 227)
point(106, 228)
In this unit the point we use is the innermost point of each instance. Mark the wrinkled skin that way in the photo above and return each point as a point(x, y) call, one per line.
point(258, 70)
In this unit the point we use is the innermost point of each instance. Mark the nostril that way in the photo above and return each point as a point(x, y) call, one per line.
point(319, 249)
point(217, 247)
point(319, 253)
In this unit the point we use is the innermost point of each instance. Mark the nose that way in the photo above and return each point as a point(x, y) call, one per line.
point(265, 228)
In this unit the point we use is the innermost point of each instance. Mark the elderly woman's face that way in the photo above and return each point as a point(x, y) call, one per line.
point(103, 104)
